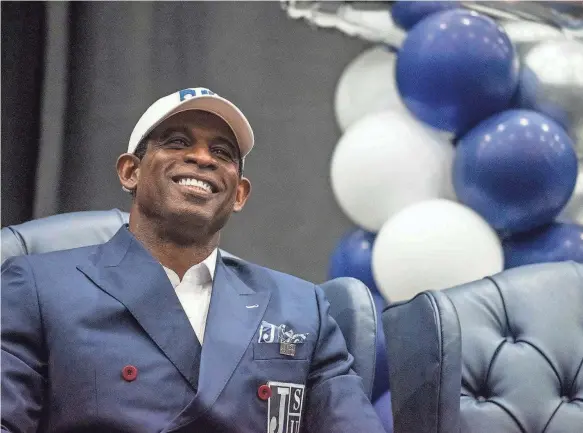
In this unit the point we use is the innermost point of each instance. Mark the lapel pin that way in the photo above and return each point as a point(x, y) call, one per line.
point(288, 349)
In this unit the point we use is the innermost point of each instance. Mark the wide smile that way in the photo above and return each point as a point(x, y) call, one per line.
point(195, 185)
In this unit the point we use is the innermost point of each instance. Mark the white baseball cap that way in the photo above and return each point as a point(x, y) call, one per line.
point(197, 98)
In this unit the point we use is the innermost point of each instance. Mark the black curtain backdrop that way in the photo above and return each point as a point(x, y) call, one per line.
point(76, 76)
point(23, 35)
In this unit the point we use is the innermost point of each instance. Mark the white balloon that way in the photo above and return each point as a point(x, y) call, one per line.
point(367, 86)
point(385, 162)
point(573, 210)
point(433, 245)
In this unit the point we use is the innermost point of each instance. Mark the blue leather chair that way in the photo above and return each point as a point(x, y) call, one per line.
point(351, 303)
point(499, 355)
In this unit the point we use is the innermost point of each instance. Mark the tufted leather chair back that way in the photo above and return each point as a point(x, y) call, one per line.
point(499, 355)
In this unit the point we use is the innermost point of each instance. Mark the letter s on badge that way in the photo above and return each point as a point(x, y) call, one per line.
point(284, 410)
point(298, 393)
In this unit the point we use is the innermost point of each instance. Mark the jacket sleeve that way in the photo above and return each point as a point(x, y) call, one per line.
point(335, 401)
point(23, 353)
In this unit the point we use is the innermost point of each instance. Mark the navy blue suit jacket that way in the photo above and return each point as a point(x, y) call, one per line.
point(72, 320)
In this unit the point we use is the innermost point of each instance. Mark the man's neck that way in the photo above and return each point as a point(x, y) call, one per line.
point(178, 256)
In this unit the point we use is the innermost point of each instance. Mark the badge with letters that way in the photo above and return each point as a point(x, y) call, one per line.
point(284, 410)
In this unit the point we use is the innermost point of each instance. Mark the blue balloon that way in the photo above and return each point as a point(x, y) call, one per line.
point(517, 169)
point(408, 13)
point(381, 377)
point(555, 242)
point(455, 69)
point(352, 257)
point(384, 410)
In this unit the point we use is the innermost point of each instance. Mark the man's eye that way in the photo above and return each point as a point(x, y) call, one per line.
point(177, 141)
point(223, 152)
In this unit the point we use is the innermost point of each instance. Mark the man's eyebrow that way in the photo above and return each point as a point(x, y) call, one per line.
point(173, 129)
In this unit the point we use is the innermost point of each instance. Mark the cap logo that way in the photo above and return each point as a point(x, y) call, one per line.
point(193, 93)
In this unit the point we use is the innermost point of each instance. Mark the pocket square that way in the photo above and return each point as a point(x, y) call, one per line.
point(269, 333)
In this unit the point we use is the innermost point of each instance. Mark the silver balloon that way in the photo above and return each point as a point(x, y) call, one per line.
point(369, 20)
point(566, 15)
point(526, 34)
point(552, 83)
point(372, 20)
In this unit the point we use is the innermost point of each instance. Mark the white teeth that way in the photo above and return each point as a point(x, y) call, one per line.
point(195, 182)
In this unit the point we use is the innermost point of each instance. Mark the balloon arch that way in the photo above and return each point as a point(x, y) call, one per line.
point(462, 127)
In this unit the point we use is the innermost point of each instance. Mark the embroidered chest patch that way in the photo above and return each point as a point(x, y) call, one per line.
point(284, 410)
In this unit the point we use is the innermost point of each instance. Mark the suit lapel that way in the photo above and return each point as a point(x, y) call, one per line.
point(128, 272)
point(230, 327)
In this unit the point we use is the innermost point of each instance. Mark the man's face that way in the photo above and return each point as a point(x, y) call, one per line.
point(189, 174)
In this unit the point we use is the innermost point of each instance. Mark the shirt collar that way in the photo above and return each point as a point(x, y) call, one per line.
point(201, 273)
point(211, 263)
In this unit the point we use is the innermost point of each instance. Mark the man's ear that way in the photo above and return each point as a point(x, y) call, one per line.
point(243, 192)
point(128, 170)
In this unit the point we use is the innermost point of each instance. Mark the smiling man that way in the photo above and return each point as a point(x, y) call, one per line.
point(156, 331)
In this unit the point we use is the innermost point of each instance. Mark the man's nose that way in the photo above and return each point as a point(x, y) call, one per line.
point(200, 155)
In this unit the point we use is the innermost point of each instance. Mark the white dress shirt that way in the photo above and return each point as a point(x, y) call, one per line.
point(194, 291)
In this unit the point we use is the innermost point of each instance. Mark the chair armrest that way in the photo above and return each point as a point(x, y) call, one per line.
point(424, 349)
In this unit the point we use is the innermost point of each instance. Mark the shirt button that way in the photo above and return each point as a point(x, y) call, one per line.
point(264, 392)
point(129, 373)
